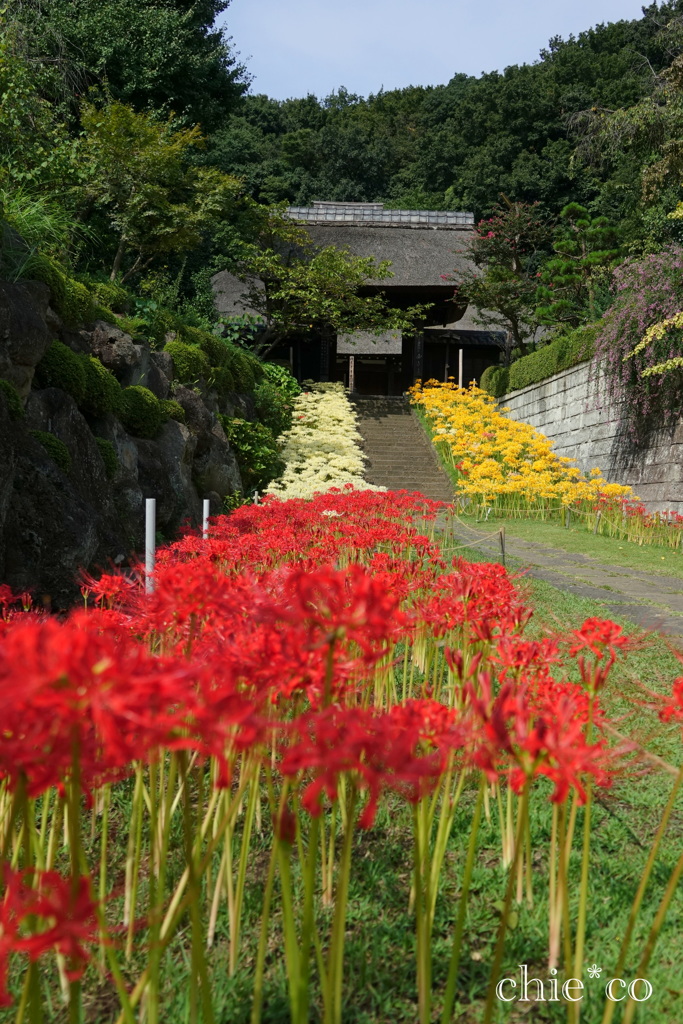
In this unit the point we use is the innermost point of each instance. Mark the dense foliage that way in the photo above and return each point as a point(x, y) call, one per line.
point(647, 290)
point(135, 164)
point(458, 145)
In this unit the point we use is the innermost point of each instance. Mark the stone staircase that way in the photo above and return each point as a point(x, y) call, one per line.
point(400, 456)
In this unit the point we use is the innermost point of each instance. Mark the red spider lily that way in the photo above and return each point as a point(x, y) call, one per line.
point(603, 639)
point(405, 749)
point(523, 737)
point(346, 605)
point(110, 589)
point(600, 636)
point(68, 687)
point(42, 912)
point(672, 710)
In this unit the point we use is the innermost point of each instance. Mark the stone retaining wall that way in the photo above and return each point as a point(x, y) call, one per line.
point(569, 410)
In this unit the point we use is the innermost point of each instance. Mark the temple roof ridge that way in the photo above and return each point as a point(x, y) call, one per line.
point(330, 212)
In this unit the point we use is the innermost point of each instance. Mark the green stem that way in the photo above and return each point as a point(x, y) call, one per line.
point(336, 954)
point(502, 927)
point(647, 871)
point(242, 874)
point(632, 1005)
point(452, 980)
point(257, 1004)
point(585, 870)
point(74, 824)
point(199, 973)
point(307, 922)
point(422, 901)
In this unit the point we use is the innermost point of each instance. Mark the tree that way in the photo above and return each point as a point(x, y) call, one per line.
point(164, 55)
point(136, 170)
point(506, 252)
point(297, 287)
point(586, 250)
point(35, 149)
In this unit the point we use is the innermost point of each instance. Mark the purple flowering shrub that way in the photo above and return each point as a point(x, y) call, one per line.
point(646, 290)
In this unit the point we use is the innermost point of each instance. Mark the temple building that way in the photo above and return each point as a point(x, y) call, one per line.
point(424, 247)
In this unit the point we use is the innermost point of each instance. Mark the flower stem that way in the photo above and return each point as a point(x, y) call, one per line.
point(451, 982)
point(509, 891)
point(610, 1006)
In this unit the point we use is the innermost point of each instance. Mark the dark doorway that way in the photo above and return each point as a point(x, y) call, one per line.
point(378, 375)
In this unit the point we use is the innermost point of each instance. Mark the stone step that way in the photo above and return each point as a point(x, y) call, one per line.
point(399, 454)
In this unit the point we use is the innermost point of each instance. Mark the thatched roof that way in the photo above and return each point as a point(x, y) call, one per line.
point(422, 246)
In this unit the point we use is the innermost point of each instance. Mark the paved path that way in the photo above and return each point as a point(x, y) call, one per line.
point(648, 599)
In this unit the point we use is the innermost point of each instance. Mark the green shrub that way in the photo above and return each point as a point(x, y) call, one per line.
point(561, 354)
point(56, 449)
point(64, 369)
point(71, 299)
point(104, 313)
point(141, 411)
point(110, 295)
point(173, 410)
point(102, 390)
point(245, 369)
point(189, 362)
point(222, 380)
point(243, 374)
point(495, 380)
point(256, 451)
point(15, 406)
point(211, 345)
point(273, 407)
point(159, 323)
point(109, 456)
point(281, 376)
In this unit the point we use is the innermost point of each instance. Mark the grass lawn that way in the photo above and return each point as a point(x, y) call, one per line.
point(577, 540)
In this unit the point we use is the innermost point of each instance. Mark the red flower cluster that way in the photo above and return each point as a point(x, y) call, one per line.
point(42, 912)
point(302, 632)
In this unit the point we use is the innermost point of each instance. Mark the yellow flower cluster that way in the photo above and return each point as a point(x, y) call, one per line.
point(501, 462)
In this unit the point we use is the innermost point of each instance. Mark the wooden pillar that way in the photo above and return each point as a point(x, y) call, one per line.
point(419, 355)
point(325, 355)
point(352, 374)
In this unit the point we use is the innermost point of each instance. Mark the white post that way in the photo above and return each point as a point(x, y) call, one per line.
point(352, 374)
point(150, 542)
point(459, 367)
point(205, 519)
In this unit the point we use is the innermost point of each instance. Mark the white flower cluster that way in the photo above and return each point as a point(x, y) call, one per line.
point(322, 449)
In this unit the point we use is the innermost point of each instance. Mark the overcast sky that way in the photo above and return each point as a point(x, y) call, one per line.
point(293, 47)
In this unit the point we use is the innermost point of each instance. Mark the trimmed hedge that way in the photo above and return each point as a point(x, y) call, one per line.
point(71, 299)
point(190, 364)
point(173, 410)
point(199, 355)
point(561, 354)
point(102, 390)
point(222, 380)
point(15, 406)
point(105, 293)
point(141, 411)
point(56, 449)
point(495, 380)
point(109, 456)
point(64, 369)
